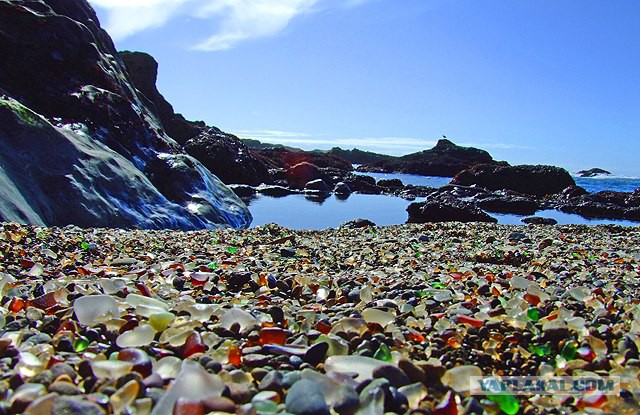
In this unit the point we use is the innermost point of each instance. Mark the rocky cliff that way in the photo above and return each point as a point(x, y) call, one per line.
point(79, 144)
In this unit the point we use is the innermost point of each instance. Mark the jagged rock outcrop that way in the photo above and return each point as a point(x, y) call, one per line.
point(446, 159)
point(223, 154)
point(538, 180)
point(593, 172)
point(357, 156)
point(79, 144)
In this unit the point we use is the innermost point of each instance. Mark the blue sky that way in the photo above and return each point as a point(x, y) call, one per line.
point(531, 81)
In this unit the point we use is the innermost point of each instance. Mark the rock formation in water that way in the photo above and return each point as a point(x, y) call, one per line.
point(593, 172)
point(538, 180)
point(446, 159)
point(79, 144)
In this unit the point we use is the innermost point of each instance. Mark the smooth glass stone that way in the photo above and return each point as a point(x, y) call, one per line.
point(459, 378)
point(371, 402)
point(141, 361)
point(383, 353)
point(110, 369)
point(80, 344)
point(193, 382)
point(337, 345)
point(29, 365)
point(188, 407)
point(272, 335)
point(473, 322)
point(235, 356)
point(139, 336)
point(94, 309)
point(533, 314)
point(361, 366)
point(373, 315)
point(161, 321)
point(520, 283)
point(507, 403)
point(540, 350)
point(28, 392)
point(239, 316)
point(200, 312)
point(168, 367)
point(569, 350)
point(124, 397)
point(349, 325)
point(192, 345)
point(42, 405)
point(415, 393)
point(594, 399)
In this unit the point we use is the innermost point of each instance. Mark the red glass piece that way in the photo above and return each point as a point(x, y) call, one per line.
point(188, 407)
point(17, 304)
point(235, 356)
point(193, 345)
point(323, 326)
point(595, 399)
point(586, 353)
point(534, 300)
point(474, 322)
point(199, 279)
point(272, 335)
point(144, 290)
point(414, 336)
point(44, 302)
point(141, 361)
point(447, 405)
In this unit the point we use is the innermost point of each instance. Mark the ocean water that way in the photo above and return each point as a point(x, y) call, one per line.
point(299, 212)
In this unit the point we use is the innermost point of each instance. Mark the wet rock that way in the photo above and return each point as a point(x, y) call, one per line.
point(536, 180)
point(357, 223)
point(538, 220)
point(446, 211)
point(393, 374)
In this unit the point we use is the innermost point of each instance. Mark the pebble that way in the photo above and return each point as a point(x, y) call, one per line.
point(225, 323)
point(305, 398)
point(75, 406)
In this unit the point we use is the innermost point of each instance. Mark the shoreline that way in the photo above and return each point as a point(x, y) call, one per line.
point(261, 309)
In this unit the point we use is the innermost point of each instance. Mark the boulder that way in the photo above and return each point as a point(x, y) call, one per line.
point(79, 144)
point(446, 159)
point(535, 180)
point(275, 190)
point(505, 203)
point(301, 174)
point(342, 188)
point(357, 223)
point(391, 183)
point(451, 210)
point(317, 185)
point(228, 158)
point(538, 220)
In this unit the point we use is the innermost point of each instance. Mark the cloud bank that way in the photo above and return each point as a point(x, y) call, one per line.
point(232, 21)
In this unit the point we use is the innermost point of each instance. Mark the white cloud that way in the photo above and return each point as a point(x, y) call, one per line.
point(232, 21)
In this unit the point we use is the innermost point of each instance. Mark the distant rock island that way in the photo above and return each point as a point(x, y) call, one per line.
point(593, 173)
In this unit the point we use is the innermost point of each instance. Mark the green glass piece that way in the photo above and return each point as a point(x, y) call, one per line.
point(533, 314)
point(503, 302)
point(569, 351)
point(540, 350)
point(232, 249)
point(507, 403)
point(383, 353)
point(85, 245)
point(438, 285)
point(80, 344)
point(212, 265)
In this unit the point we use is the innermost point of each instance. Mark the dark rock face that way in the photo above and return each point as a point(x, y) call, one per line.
point(446, 210)
point(302, 173)
point(78, 143)
point(357, 156)
point(532, 180)
point(606, 204)
point(445, 159)
point(223, 154)
point(593, 172)
point(503, 203)
point(227, 158)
